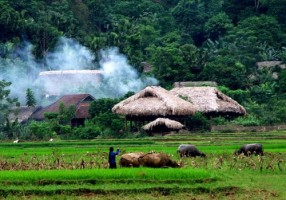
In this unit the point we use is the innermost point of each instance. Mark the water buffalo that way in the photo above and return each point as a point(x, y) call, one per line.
point(189, 150)
point(249, 149)
point(130, 159)
point(157, 160)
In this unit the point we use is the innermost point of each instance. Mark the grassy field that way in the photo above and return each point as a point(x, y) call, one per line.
point(78, 169)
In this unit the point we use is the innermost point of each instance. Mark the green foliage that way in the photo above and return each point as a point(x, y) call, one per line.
point(6, 104)
point(218, 121)
point(101, 106)
point(183, 40)
point(66, 114)
point(11, 129)
point(30, 99)
point(227, 71)
point(89, 131)
point(261, 29)
point(171, 65)
point(40, 130)
point(54, 123)
point(263, 92)
point(218, 25)
point(198, 122)
point(51, 115)
point(269, 112)
point(109, 121)
point(282, 81)
point(45, 130)
point(249, 120)
point(192, 15)
point(238, 95)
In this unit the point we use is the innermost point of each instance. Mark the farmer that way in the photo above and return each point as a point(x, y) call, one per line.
point(112, 157)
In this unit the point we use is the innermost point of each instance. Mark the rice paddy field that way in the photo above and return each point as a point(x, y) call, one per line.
point(79, 169)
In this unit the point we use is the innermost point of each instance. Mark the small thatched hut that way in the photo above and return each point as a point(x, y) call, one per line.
point(151, 103)
point(210, 101)
point(162, 125)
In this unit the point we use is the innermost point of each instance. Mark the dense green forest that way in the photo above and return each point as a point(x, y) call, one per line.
point(183, 40)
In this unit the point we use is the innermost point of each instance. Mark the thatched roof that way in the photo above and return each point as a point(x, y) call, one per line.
point(55, 82)
point(195, 84)
point(170, 124)
point(209, 100)
point(70, 72)
point(154, 101)
point(269, 64)
point(80, 101)
point(22, 114)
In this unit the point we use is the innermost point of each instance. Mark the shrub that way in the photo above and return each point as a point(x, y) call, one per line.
point(40, 130)
point(249, 120)
point(218, 121)
point(85, 132)
point(198, 122)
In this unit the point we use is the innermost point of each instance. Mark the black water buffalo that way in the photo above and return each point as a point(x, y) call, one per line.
point(189, 150)
point(249, 149)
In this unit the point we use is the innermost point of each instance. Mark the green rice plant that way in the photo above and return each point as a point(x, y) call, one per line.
point(105, 174)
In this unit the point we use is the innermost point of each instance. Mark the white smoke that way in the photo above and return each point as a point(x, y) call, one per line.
point(69, 55)
point(119, 76)
point(22, 69)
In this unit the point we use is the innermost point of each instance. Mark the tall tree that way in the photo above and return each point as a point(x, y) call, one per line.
point(30, 99)
point(6, 104)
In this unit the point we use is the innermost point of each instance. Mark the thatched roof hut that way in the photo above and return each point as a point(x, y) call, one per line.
point(22, 114)
point(151, 103)
point(210, 101)
point(270, 64)
point(162, 125)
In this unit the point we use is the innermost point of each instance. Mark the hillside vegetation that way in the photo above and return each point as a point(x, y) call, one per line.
point(180, 40)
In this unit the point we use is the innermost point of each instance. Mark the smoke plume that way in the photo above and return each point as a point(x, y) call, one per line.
point(114, 76)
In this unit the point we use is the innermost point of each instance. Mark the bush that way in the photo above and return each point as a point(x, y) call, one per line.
point(85, 132)
point(238, 95)
point(249, 120)
point(198, 122)
point(40, 130)
point(218, 121)
point(109, 120)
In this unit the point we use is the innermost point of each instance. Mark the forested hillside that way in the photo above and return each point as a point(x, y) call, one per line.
point(180, 40)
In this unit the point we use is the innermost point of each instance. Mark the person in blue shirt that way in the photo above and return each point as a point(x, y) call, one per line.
point(112, 157)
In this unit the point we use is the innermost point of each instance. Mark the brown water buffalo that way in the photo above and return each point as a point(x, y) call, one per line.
point(189, 150)
point(130, 159)
point(249, 149)
point(157, 160)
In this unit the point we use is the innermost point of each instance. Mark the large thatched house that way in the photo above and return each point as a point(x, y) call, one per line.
point(22, 114)
point(162, 125)
point(80, 101)
point(55, 82)
point(151, 103)
point(210, 101)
